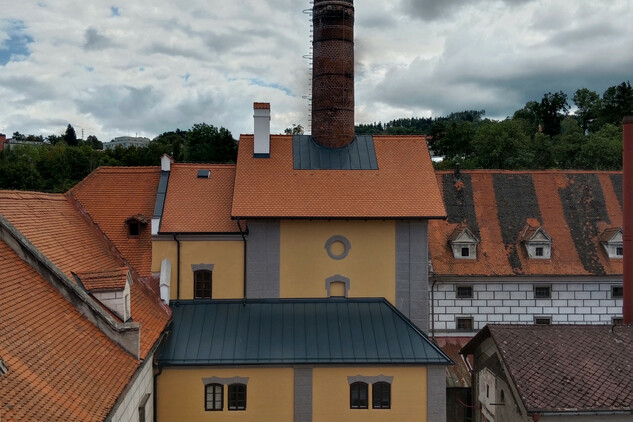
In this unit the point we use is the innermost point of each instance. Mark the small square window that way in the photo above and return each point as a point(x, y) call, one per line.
point(464, 292)
point(617, 292)
point(617, 321)
point(465, 251)
point(539, 251)
point(543, 320)
point(619, 251)
point(465, 323)
point(542, 292)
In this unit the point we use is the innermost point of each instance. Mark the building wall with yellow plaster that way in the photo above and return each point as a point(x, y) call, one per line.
point(369, 265)
point(331, 394)
point(227, 257)
point(269, 395)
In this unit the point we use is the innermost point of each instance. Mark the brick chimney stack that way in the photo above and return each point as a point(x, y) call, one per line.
point(333, 73)
point(627, 220)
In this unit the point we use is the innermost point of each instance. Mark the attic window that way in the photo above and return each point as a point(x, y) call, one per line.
point(464, 323)
point(463, 243)
point(204, 174)
point(538, 243)
point(542, 292)
point(543, 320)
point(611, 240)
point(617, 292)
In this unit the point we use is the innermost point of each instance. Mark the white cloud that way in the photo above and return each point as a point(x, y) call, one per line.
point(135, 67)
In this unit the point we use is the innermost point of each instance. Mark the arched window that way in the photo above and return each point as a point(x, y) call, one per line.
point(358, 395)
point(202, 284)
point(214, 397)
point(237, 397)
point(381, 395)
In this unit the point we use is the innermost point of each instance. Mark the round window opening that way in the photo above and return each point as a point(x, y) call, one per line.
point(337, 247)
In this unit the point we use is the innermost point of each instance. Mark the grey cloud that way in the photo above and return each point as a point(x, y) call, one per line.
point(430, 10)
point(119, 106)
point(96, 41)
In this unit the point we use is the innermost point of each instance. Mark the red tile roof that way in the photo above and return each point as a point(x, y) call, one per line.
point(104, 280)
point(199, 205)
point(61, 366)
point(403, 186)
point(57, 228)
point(566, 368)
point(111, 195)
point(572, 207)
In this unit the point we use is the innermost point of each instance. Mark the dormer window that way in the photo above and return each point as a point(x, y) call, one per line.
point(464, 243)
point(135, 224)
point(611, 240)
point(538, 243)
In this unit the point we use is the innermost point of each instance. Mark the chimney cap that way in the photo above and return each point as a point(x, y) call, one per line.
point(261, 106)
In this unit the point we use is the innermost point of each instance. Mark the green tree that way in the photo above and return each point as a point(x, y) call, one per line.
point(70, 136)
point(602, 151)
point(452, 140)
point(206, 143)
point(294, 130)
point(617, 102)
point(94, 142)
point(502, 145)
point(588, 104)
point(552, 110)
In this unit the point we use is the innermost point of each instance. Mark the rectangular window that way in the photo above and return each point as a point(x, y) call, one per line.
point(543, 320)
point(465, 323)
point(542, 292)
point(619, 251)
point(358, 395)
point(465, 251)
point(464, 292)
point(214, 399)
point(141, 407)
point(381, 395)
point(617, 292)
point(237, 397)
point(616, 321)
point(202, 284)
point(134, 229)
point(539, 251)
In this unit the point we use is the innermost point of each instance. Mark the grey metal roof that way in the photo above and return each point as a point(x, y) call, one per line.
point(293, 331)
point(161, 194)
point(360, 154)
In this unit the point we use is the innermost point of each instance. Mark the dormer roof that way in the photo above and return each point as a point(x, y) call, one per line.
point(532, 233)
point(112, 280)
point(611, 234)
point(462, 234)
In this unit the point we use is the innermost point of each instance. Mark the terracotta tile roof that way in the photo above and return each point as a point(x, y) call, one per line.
point(572, 207)
point(104, 280)
point(61, 366)
point(199, 205)
point(111, 195)
point(567, 368)
point(57, 228)
point(403, 186)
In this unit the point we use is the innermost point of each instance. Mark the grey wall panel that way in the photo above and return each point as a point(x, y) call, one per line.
point(436, 388)
point(412, 277)
point(262, 259)
point(303, 395)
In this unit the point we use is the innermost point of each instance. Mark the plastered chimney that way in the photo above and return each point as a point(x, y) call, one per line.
point(261, 117)
point(333, 73)
point(627, 220)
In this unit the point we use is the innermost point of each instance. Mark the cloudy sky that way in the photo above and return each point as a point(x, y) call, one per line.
point(114, 68)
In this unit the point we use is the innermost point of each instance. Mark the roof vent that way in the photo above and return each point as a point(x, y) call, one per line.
point(204, 174)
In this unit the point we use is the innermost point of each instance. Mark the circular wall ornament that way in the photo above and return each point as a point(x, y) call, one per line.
point(337, 247)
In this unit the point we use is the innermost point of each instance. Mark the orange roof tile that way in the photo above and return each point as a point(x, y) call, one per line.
point(69, 239)
point(61, 366)
point(572, 207)
point(403, 186)
point(199, 205)
point(111, 195)
point(104, 280)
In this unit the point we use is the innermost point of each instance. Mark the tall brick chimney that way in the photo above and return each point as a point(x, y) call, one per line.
point(333, 73)
point(627, 218)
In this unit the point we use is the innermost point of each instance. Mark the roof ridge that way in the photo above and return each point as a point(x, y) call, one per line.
point(24, 194)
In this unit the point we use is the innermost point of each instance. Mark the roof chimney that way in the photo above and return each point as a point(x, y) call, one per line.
point(261, 117)
point(333, 73)
point(627, 220)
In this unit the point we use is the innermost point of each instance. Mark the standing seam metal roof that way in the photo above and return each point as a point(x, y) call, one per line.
point(292, 331)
